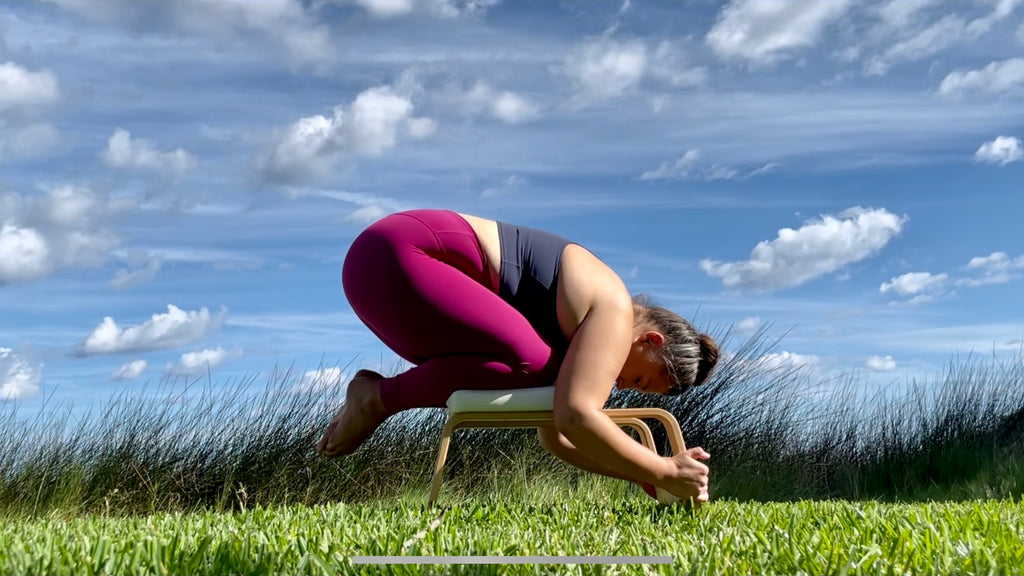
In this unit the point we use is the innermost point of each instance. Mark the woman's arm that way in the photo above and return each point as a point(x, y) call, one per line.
point(592, 293)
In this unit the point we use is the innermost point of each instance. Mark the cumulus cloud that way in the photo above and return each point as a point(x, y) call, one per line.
point(162, 331)
point(320, 380)
point(914, 283)
point(996, 268)
point(18, 378)
point(503, 105)
point(880, 363)
point(817, 248)
point(64, 228)
point(370, 125)
point(690, 166)
point(1003, 77)
point(198, 362)
point(1002, 151)
point(129, 371)
point(766, 32)
point(125, 152)
point(288, 24)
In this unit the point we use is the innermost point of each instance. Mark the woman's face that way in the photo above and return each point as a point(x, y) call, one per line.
point(642, 370)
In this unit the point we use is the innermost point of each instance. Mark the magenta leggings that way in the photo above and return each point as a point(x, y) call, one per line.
point(419, 281)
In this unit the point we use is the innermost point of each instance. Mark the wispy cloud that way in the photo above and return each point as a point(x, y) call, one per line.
point(817, 248)
point(690, 166)
point(289, 24)
point(767, 32)
point(1002, 77)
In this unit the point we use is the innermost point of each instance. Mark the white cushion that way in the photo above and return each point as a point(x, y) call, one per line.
point(541, 398)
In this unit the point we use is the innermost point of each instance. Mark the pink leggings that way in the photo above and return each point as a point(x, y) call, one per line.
point(419, 281)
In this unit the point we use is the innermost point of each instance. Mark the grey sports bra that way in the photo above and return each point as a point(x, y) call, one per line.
point(530, 260)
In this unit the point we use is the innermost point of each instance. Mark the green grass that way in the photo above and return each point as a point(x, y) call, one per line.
point(598, 518)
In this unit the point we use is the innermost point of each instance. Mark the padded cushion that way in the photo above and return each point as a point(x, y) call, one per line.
point(541, 398)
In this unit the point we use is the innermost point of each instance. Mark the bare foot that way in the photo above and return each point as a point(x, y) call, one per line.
point(361, 414)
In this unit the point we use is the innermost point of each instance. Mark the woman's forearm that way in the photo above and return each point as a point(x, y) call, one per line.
point(560, 446)
point(596, 437)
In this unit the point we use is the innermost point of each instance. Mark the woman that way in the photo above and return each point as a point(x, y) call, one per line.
point(475, 303)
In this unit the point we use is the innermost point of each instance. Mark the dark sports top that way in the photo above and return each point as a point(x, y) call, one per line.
point(530, 260)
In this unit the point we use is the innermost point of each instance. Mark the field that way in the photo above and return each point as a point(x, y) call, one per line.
point(726, 537)
point(807, 478)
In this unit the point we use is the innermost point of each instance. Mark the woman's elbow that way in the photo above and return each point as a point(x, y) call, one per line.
point(570, 421)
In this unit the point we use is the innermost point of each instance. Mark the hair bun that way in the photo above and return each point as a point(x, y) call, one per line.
point(708, 358)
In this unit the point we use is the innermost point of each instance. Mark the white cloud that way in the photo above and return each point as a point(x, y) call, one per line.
point(815, 249)
point(1003, 77)
point(28, 140)
point(192, 363)
point(996, 268)
point(766, 32)
point(24, 254)
point(507, 186)
point(1002, 151)
point(880, 363)
point(125, 277)
point(371, 124)
point(503, 105)
point(912, 30)
point(124, 152)
point(286, 23)
point(18, 378)
point(748, 325)
point(604, 68)
point(440, 8)
point(64, 228)
point(20, 88)
point(171, 330)
point(387, 8)
point(320, 380)
point(690, 166)
point(948, 31)
point(786, 361)
point(914, 283)
point(129, 371)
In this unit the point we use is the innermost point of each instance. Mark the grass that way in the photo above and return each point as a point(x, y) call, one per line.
point(597, 519)
point(807, 477)
point(773, 434)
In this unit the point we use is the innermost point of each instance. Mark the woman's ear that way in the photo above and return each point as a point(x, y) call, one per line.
point(656, 339)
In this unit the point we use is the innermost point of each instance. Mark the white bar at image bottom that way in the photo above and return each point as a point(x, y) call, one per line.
point(511, 559)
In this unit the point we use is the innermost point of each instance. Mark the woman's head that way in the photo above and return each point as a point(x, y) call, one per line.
point(688, 356)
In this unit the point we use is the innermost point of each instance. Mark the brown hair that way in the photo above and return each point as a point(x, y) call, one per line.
point(689, 356)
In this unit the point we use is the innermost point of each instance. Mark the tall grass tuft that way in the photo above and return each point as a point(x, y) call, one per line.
point(774, 434)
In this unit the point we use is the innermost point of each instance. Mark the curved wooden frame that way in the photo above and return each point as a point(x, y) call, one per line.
point(624, 417)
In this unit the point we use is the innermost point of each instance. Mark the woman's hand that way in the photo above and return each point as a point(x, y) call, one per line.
point(691, 476)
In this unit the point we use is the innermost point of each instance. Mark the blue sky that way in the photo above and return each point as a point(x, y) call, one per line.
point(179, 181)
